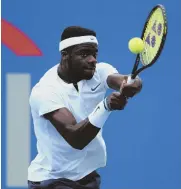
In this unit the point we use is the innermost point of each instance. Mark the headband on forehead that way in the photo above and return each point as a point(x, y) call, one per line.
point(77, 40)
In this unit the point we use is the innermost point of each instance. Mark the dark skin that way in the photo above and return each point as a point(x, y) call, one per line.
point(79, 63)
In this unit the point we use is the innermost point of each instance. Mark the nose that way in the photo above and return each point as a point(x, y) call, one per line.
point(92, 60)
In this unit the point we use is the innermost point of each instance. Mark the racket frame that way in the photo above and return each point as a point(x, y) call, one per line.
point(135, 72)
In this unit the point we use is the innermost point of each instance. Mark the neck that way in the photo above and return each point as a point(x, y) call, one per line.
point(65, 74)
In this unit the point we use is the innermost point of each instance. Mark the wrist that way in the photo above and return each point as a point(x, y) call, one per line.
point(100, 114)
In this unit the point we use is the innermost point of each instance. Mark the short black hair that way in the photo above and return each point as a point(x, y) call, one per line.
point(76, 31)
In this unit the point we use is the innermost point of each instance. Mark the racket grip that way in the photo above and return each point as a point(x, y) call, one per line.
point(130, 80)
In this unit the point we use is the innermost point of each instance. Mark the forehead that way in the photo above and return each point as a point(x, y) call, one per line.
point(85, 46)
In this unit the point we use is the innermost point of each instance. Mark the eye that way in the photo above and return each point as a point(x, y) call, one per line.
point(86, 54)
point(83, 55)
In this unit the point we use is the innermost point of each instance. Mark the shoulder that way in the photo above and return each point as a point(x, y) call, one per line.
point(47, 83)
point(48, 86)
point(50, 76)
point(46, 98)
point(104, 68)
point(102, 65)
point(43, 92)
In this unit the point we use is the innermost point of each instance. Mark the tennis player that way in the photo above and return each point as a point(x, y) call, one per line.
point(69, 110)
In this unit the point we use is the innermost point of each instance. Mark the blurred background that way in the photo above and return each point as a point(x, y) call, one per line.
point(145, 152)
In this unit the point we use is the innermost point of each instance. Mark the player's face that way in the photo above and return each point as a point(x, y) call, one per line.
point(83, 60)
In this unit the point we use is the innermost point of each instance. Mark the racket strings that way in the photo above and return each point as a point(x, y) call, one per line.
point(153, 36)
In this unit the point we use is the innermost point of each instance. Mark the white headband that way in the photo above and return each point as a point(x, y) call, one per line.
point(77, 40)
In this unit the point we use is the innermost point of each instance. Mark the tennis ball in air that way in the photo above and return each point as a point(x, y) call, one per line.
point(136, 45)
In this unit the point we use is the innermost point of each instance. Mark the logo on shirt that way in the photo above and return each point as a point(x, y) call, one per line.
point(93, 89)
point(97, 109)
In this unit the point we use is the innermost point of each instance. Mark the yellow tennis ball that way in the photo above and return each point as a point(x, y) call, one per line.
point(136, 45)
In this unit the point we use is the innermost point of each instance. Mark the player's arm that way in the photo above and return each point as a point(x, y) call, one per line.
point(79, 135)
point(48, 102)
point(114, 81)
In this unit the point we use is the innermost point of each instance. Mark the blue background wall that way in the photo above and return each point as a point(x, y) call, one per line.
point(145, 151)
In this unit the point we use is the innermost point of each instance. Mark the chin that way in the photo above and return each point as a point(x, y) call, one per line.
point(88, 76)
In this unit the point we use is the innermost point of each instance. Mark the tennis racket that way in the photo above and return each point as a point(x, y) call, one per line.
point(154, 36)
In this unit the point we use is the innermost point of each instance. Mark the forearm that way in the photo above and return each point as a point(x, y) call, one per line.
point(79, 135)
point(114, 81)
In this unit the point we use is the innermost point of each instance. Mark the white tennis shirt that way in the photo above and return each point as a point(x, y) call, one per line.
point(56, 158)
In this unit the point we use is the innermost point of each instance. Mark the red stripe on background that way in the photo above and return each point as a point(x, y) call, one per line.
point(17, 41)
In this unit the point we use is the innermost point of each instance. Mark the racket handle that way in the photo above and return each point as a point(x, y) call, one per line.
point(130, 80)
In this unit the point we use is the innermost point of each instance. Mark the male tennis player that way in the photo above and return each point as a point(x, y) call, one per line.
point(69, 109)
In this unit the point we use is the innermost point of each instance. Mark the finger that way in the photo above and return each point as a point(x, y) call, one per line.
point(119, 102)
point(130, 92)
point(122, 86)
point(118, 106)
point(118, 97)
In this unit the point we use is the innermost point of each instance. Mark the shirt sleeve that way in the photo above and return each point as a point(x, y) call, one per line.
point(45, 100)
point(104, 70)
